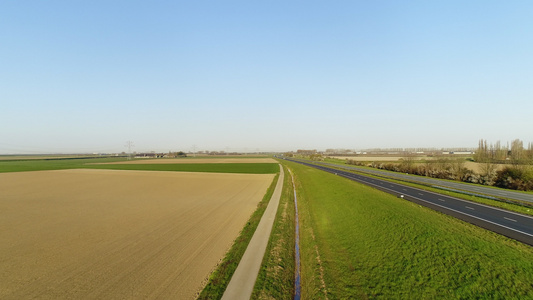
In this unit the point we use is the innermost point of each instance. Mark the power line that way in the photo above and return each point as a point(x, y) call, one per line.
point(129, 144)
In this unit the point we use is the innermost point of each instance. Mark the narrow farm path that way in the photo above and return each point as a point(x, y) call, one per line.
point(242, 283)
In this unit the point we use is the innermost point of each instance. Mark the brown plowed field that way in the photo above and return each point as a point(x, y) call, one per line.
point(194, 161)
point(106, 234)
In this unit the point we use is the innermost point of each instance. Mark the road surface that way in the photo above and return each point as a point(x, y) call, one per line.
point(476, 189)
point(513, 225)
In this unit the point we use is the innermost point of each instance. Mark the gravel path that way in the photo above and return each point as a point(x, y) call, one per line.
point(242, 283)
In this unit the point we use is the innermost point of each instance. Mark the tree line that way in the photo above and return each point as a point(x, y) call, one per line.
point(516, 173)
point(515, 153)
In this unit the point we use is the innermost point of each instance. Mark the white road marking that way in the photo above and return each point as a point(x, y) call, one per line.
point(442, 200)
point(421, 194)
point(510, 219)
point(470, 207)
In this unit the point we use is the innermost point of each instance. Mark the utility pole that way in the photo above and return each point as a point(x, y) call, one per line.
point(129, 144)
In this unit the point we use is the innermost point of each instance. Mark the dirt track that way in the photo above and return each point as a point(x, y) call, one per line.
point(118, 234)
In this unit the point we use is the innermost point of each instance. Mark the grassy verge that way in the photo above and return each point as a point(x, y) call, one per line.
point(220, 278)
point(359, 242)
point(248, 168)
point(276, 276)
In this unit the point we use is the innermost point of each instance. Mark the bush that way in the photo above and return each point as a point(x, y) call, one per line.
point(515, 177)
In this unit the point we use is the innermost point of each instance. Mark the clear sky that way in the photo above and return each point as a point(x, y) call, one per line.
point(87, 76)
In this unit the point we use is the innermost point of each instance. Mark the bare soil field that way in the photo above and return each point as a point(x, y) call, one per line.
point(108, 234)
point(196, 161)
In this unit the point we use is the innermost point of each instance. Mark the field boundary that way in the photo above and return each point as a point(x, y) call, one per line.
point(243, 280)
point(217, 281)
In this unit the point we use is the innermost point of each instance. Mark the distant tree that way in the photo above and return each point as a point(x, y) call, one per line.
point(529, 153)
point(515, 177)
point(316, 157)
point(488, 172)
point(500, 153)
point(458, 168)
point(482, 152)
point(517, 152)
point(428, 167)
point(408, 162)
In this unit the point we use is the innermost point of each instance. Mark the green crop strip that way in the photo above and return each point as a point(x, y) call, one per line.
point(248, 168)
point(70, 163)
point(23, 165)
point(370, 244)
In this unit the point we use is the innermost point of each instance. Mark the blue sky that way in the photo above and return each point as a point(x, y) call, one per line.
point(87, 76)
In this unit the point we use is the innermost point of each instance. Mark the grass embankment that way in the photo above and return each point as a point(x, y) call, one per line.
point(358, 242)
point(220, 278)
point(276, 276)
point(89, 163)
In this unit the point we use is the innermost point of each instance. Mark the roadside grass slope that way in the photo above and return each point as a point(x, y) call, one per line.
point(371, 244)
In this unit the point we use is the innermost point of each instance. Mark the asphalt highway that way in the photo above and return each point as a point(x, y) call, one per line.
point(510, 224)
point(476, 189)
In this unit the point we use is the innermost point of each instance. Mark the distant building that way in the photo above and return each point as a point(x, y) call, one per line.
point(149, 155)
point(306, 152)
point(458, 152)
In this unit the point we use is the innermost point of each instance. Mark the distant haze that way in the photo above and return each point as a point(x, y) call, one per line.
point(83, 77)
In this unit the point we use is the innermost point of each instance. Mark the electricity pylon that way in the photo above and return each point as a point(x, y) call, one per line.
point(129, 144)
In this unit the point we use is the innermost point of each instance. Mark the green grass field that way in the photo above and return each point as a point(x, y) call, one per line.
point(23, 165)
point(78, 163)
point(358, 242)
